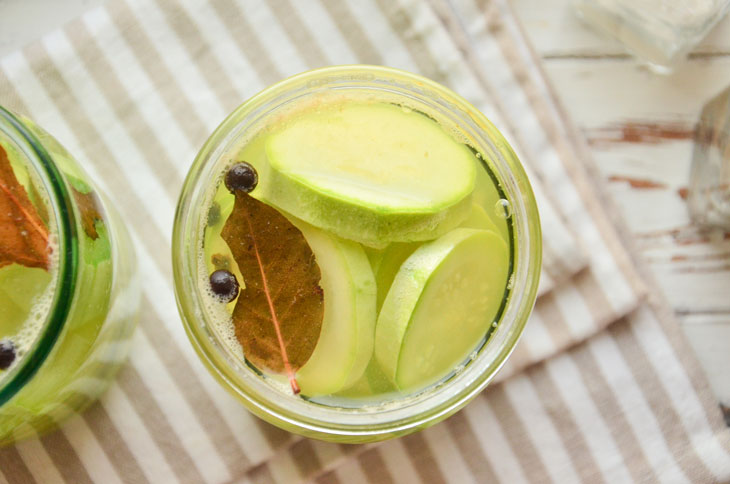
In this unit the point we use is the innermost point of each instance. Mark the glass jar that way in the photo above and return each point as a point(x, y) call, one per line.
point(69, 338)
point(659, 32)
point(402, 415)
point(709, 182)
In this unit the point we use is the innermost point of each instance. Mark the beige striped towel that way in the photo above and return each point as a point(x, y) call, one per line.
point(134, 88)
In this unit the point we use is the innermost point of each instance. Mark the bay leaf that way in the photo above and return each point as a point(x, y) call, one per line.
point(90, 210)
point(278, 315)
point(23, 235)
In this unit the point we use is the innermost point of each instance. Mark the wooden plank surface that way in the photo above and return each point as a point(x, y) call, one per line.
point(639, 126)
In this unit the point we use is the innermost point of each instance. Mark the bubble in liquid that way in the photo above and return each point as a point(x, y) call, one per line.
point(406, 109)
point(503, 209)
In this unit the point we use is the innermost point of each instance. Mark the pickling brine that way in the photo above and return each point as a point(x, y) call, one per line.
point(353, 249)
point(403, 221)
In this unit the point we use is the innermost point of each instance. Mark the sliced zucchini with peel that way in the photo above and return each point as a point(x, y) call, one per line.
point(373, 173)
point(440, 306)
point(345, 344)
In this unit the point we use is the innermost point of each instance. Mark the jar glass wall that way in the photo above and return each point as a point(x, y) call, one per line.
point(400, 415)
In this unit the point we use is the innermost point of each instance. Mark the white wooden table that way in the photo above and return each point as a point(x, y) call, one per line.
point(639, 126)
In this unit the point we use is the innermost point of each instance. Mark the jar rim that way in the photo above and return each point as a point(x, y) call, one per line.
point(348, 424)
point(41, 161)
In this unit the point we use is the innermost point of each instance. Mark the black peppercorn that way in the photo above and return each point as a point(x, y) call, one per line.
point(223, 283)
point(7, 354)
point(241, 177)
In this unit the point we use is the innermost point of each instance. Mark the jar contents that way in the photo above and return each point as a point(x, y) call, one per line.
point(28, 258)
point(372, 248)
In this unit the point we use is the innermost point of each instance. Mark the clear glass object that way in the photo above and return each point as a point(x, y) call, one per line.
point(326, 419)
point(69, 321)
point(659, 32)
point(709, 189)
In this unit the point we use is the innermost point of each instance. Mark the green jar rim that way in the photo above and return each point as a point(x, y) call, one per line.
point(67, 246)
point(351, 425)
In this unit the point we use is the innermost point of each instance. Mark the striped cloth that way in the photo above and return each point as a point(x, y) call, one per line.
point(135, 87)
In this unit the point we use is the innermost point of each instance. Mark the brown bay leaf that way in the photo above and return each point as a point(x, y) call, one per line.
point(278, 316)
point(23, 235)
point(90, 210)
